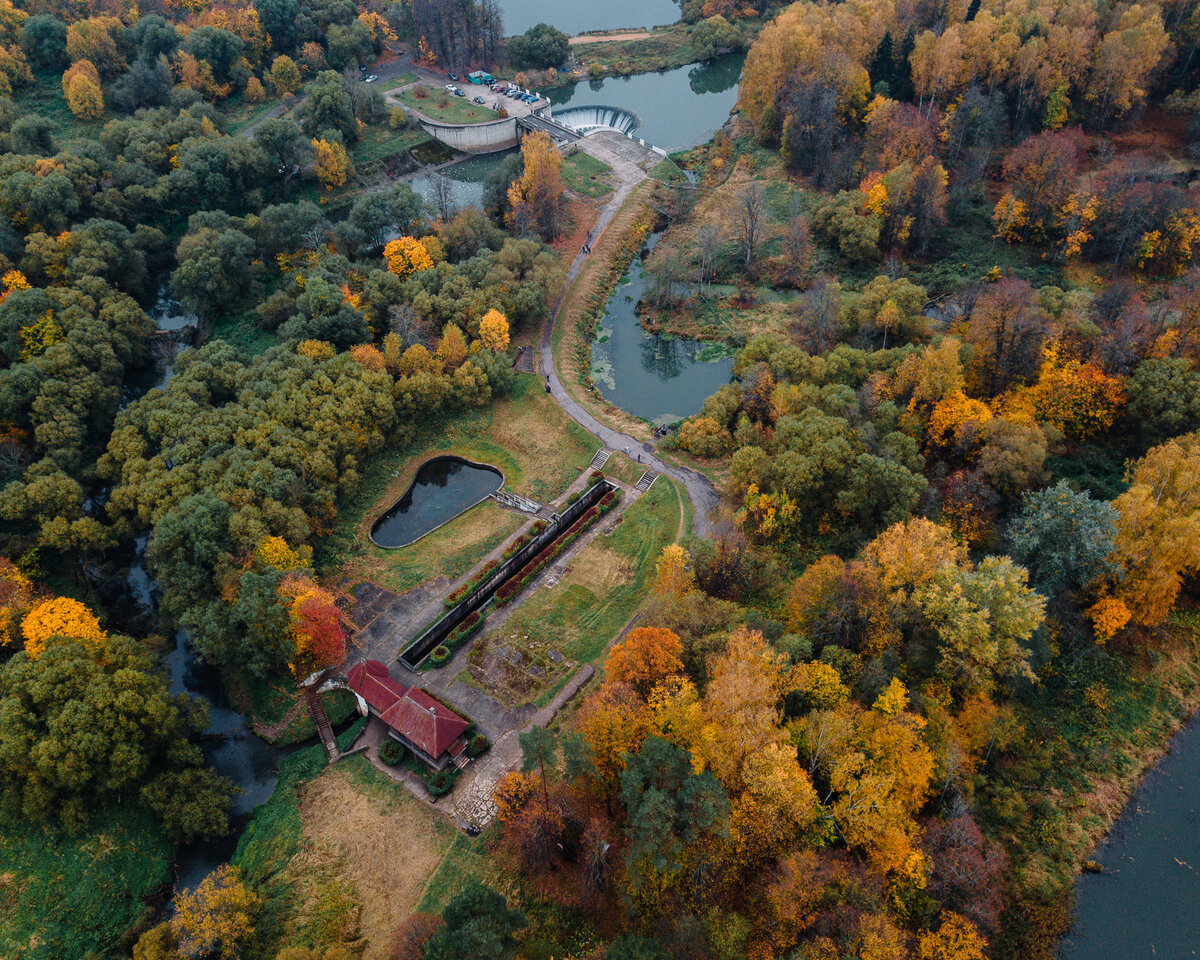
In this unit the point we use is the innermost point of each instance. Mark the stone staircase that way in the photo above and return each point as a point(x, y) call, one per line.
point(321, 720)
point(601, 458)
point(646, 481)
point(524, 504)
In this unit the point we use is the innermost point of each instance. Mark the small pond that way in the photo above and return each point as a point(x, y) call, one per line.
point(658, 378)
point(578, 16)
point(1146, 903)
point(466, 179)
point(442, 489)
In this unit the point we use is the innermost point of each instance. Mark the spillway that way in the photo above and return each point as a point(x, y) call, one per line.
point(585, 120)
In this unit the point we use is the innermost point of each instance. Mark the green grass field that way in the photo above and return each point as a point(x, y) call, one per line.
point(585, 175)
point(443, 106)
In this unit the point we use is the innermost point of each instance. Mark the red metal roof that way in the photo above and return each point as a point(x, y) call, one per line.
point(419, 718)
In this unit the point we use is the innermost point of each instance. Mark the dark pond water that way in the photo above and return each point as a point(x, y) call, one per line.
point(577, 16)
point(466, 179)
point(658, 378)
point(1146, 903)
point(442, 489)
point(679, 108)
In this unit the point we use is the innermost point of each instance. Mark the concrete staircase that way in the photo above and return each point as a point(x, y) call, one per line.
point(601, 458)
point(646, 481)
point(321, 720)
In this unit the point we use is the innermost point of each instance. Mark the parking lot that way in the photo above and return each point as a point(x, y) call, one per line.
point(491, 99)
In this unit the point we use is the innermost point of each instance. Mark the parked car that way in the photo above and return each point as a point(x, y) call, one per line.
point(371, 78)
point(479, 99)
point(450, 88)
point(458, 93)
point(453, 76)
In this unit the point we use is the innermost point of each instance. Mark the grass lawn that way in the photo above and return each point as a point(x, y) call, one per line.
point(584, 174)
point(242, 331)
point(380, 142)
point(586, 609)
point(447, 108)
point(539, 449)
point(396, 82)
point(64, 896)
point(44, 98)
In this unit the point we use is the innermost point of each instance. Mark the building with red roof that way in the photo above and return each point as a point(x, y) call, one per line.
point(425, 725)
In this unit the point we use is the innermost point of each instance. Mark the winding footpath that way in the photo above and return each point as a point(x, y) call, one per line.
point(699, 488)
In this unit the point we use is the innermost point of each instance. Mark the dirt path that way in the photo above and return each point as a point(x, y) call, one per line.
point(602, 37)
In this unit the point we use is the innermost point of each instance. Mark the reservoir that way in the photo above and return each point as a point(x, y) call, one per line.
point(578, 16)
point(442, 489)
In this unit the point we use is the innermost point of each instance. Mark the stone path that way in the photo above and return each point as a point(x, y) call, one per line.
point(472, 803)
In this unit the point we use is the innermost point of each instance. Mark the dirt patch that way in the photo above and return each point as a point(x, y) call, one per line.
point(599, 570)
point(583, 218)
point(384, 848)
point(602, 37)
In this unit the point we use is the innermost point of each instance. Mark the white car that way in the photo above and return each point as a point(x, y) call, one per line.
point(371, 79)
point(450, 88)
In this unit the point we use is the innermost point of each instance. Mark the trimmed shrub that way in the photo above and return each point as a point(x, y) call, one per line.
point(479, 745)
point(572, 498)
point(391, 752)
point(440, 783)
point(596, 476)
point(440, 655)
point(539, 526)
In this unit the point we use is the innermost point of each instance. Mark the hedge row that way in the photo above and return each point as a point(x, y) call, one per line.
point(517, 545)
point(543, 559)
point(459, 595)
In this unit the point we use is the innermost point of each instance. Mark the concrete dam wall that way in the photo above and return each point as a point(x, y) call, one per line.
point(587, 120)
point(474, 137)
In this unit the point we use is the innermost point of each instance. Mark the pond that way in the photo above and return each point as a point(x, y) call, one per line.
point(442, 489)
point(679, 108)
point(658, 378)
point(578, 16)
point(1146, 903)
point(466, 179)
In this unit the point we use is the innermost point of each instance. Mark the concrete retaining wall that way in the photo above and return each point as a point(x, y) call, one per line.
point(490, 137)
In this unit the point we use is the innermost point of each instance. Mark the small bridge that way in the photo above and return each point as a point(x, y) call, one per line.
point(534, 124)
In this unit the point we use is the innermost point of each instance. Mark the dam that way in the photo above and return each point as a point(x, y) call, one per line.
point(589, 119)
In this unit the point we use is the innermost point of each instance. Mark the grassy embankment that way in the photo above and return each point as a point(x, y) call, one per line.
point(527, 436)
point(580, 615)
point(623, 52)
point(585, 299)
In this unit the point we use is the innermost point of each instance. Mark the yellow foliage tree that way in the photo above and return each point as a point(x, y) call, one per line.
point(1158, 529)
point(16, 597)
point(254, 91)
point(316, 349)
point(536, 197)
point(405, 256)
point(332, 166)
point(955, 939)
point(1108, 615)
point(1076, 397)
point(959, 422)
point(81, 88)
point(60, 617)
point(434, 247)
point(452, 347)
point(274, 552)
point(285, 75)
point(493, 330)
point(217, 917)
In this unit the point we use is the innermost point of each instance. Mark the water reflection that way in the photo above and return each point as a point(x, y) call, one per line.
point(578, 16)
point(658, 378)
point(442, 489)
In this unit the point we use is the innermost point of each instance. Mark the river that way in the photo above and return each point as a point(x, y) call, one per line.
point(1146, 903)
point(579, 16)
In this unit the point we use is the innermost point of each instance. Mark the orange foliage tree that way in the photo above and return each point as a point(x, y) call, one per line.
point(646, 657)
point(60, 617)
point(1076, 397)
point(405, 256)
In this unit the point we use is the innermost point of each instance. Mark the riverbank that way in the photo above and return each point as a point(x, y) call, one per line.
point(1091, 733)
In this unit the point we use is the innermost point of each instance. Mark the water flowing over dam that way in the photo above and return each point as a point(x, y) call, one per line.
point(589, 119)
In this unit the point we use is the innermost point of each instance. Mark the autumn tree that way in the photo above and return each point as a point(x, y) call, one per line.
point(536, 197)
point(493, 330)
point(956, 939)
point(333, 165)
point(1158, 529)
point(81, 88)
point(1006, 329)
point(646, 657)
point(747, 217)
point(452, 347)
point(404, 256)
point(216, 918)
point(60, 617)
point(1076, 397)
point(285, 75)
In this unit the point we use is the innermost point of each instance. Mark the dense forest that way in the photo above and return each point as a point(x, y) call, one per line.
point(879, 705)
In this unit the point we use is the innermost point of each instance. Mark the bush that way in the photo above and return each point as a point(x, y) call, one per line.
point(596, 476)
point(440, 783)
point(539, 526)
point(391, 752)
point(572, 498)
point(440, 655)
point(420, 91)
point(479, 745)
